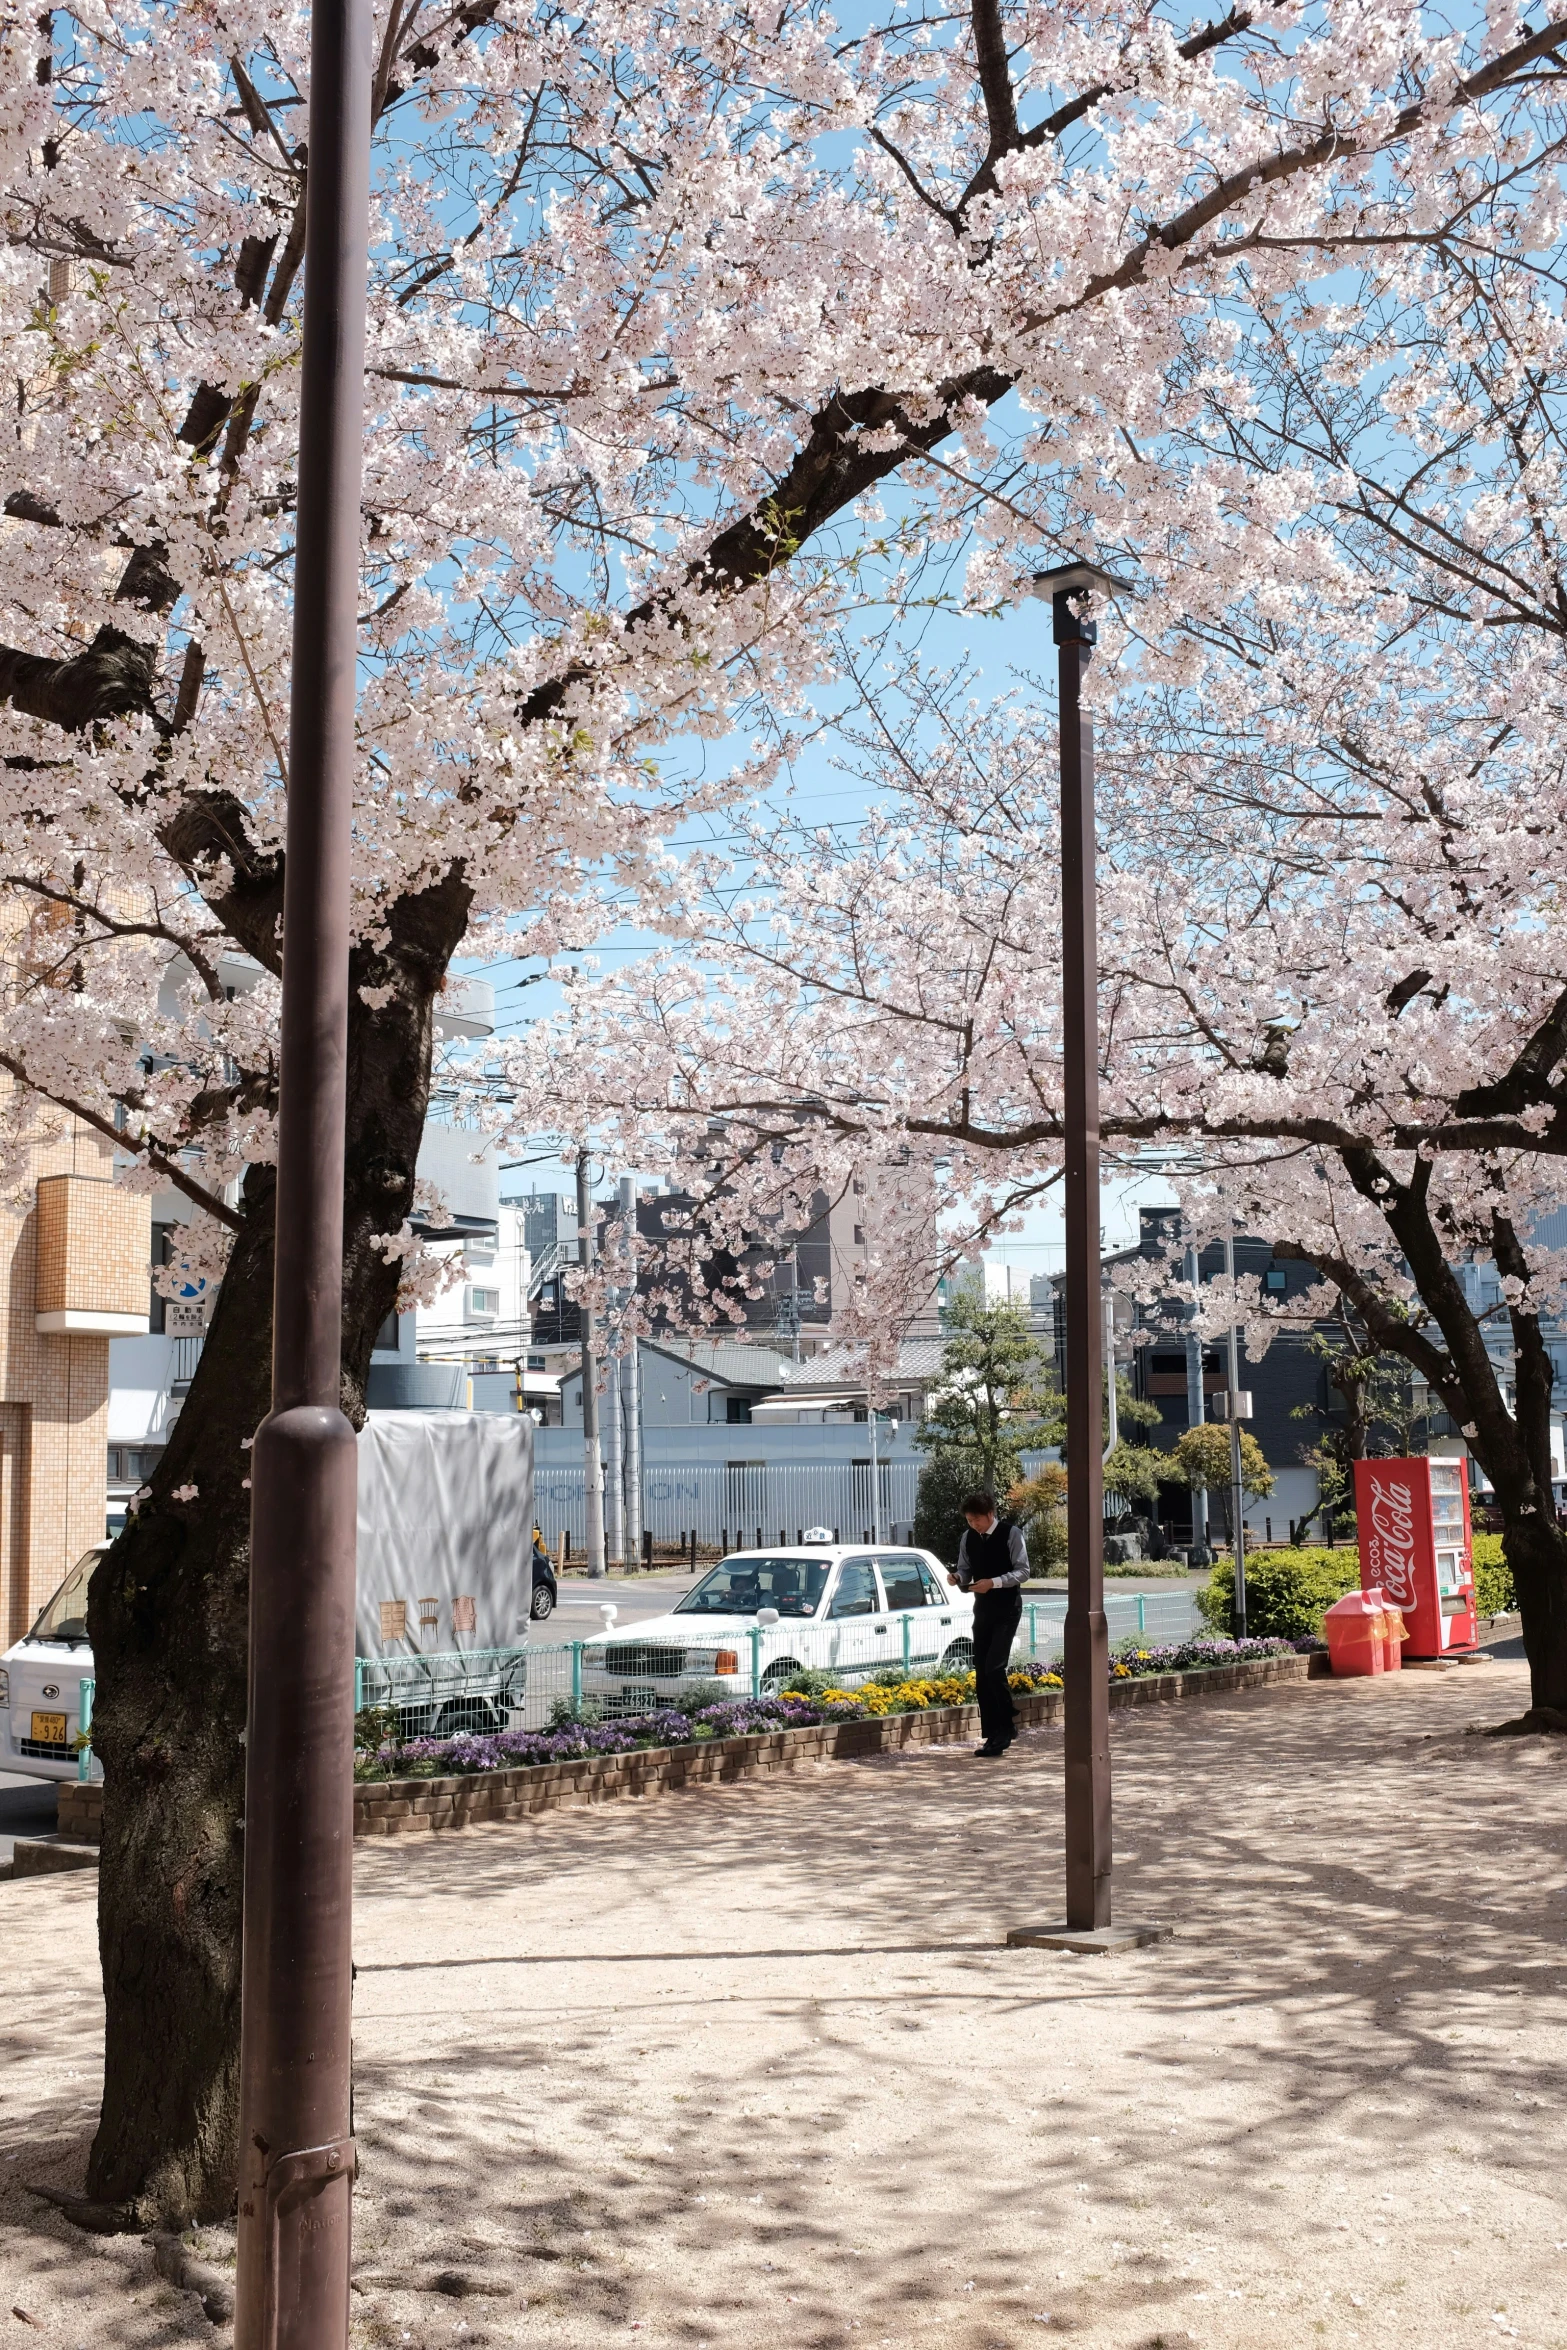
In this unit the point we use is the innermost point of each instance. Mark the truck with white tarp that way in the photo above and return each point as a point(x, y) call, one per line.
point(445, 1583)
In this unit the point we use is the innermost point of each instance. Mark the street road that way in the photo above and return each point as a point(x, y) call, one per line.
point(636, 1596)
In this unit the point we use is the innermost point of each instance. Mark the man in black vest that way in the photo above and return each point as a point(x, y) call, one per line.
point(993, 1564)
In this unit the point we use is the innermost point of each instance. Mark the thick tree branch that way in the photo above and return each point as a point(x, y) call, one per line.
point(112, 679)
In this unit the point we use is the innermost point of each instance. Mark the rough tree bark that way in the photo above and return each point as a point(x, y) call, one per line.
point(168, 1618)
point(1512, 1447)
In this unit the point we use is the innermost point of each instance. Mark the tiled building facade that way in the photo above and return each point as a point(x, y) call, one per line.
point(73, 1274)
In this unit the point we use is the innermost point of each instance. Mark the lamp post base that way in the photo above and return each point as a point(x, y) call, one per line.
point(1091, 1942)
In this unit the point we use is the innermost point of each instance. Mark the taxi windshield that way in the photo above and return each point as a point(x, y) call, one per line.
point(739, 1586)
point(65, 1618)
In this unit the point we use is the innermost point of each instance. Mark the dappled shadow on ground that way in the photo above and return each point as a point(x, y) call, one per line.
point(753, 2062)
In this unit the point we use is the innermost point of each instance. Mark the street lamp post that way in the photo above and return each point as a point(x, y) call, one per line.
point(296, 2153)
point(592, 1458)
point(1086, 1637)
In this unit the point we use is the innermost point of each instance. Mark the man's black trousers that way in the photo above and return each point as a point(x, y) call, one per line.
point(997, 1615)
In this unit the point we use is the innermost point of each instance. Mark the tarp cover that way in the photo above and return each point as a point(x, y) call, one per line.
point(445, 1531)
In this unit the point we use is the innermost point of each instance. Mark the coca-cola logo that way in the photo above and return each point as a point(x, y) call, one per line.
point(1393, 1541)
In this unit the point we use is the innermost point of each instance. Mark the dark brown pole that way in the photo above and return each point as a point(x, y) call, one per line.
point(296, 2152)
point(1086, 1639)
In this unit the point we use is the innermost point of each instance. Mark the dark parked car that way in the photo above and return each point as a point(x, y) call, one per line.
point(542, 1603)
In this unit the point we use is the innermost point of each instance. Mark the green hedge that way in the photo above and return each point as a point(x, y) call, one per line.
point(1287, 1591)
point(1494, 1594)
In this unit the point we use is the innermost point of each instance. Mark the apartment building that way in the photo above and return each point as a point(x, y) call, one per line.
point(74, 1252)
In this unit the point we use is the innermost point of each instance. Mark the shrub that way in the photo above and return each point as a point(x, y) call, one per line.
point(1286, 1591)
point(1494, 1593)
point(584, 1715)
point(375, 1726)
point(948, 1475)
point(807, 1681)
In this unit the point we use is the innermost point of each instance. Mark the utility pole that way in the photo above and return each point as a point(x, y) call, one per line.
point(1237, 1488)
point(296, 2151)
point(1086, 1637)
point(592, 1464)
point(614, 1450)
point(1196, 1401)
point(631, 1382)
point(870, 1416)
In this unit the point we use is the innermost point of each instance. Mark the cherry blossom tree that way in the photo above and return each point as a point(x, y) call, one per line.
point(1332, 997)
point(660, 299)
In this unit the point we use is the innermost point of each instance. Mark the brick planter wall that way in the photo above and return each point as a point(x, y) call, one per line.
point(422, 1807)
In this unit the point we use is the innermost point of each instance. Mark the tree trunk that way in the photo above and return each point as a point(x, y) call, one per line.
point(168, 1617)
point(1537, 1555)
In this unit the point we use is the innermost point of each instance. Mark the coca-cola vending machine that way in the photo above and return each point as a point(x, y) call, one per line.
point(1413, 1517)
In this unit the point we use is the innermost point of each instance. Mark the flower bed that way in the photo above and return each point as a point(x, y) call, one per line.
point(508, 1750)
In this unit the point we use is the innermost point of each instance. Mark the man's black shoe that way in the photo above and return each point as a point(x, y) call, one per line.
point(990, 1751)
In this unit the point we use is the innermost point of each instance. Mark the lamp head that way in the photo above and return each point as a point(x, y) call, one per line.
point(1066, 587)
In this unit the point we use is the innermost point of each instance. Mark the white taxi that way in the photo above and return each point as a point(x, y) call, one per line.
point(759, 1616)
point(41, 1680)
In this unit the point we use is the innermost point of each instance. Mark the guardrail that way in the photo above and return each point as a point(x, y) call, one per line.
point(519, 1688)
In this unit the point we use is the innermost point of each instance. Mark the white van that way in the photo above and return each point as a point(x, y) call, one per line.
point(41, 1680)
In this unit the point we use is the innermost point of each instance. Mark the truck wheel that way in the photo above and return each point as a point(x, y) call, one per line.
point(959, 1657)
point(542, 1602)
point(474, 1716)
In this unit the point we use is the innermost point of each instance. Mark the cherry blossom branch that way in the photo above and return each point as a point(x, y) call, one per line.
point(212, 1202)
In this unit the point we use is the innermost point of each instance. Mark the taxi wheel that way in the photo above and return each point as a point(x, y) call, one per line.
point(959, 1657)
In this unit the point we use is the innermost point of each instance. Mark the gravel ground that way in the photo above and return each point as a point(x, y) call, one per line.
point(749, 2066)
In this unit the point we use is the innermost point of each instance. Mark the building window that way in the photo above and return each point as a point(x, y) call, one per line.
point(535, 1362)
point(859, 1236)
point(1278, 1279)
point(389, 1337)
point(737, 1410)
point(484, 1304)
point(157, 1316)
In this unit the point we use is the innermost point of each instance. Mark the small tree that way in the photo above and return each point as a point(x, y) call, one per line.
point(945, 1478)
point(995, 1395)
point(1136, 1472)
point(1039, 1506)
point(1202, 1460)
point(1379, 1415)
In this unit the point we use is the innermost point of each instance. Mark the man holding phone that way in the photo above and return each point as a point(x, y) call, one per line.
point(993, 1564)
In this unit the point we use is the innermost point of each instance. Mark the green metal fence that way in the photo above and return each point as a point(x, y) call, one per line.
point(519, 1688)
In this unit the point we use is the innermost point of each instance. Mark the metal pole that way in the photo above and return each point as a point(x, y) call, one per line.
point(296, 2154)
point(614, 1455)
point(631, 1385)
point(1113, 1432)
point(870, 1414)
point(1196, 1402)
point(1237, 1489)
point(1086, 1637)
point(592, 1464)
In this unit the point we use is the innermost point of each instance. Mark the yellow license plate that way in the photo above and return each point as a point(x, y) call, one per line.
point(49, 1729)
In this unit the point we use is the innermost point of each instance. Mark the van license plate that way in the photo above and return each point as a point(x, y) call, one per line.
point(49, 1729)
